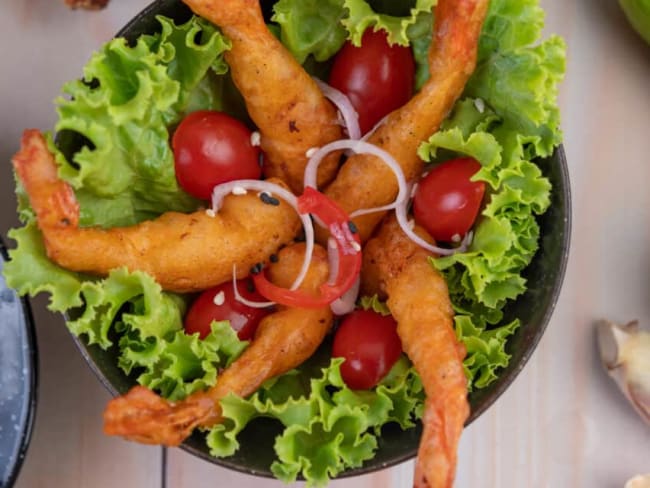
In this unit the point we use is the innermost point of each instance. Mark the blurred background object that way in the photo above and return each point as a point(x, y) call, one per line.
point(86, 4)
point(638, 13)
point(625, 353)
point(641, 481)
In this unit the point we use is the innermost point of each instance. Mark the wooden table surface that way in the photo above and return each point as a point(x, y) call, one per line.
point(561, 424)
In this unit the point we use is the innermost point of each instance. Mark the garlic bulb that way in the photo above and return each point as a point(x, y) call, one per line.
point(625, 352)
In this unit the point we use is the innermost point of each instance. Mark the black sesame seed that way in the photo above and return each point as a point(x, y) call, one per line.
point(353, 228)
point(269, 200)
point(250, 286)
point(257, 268)
point(274, 258)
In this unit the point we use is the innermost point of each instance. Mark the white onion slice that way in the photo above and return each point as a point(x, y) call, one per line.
point(343, 103)
point(402, 219)
point(346, 303)
point(332, 260)
point(367, 135)
point(359, 147)
point(243, 300)
point(220, 191)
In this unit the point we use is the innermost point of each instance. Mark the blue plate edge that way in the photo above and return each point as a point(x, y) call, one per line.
point(28, 427)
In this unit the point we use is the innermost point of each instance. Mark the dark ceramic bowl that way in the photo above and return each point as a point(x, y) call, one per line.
point(544, 275)
point(18, 378)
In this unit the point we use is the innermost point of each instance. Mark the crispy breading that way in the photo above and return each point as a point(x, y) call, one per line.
point(419, 301)
point(183, 252)
point(285, 103)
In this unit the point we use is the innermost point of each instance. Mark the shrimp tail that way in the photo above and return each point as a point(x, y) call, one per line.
point(145, 417)
point(51, 198)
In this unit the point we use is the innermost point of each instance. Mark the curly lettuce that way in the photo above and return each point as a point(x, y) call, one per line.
point(319, 28)
point(328, 426)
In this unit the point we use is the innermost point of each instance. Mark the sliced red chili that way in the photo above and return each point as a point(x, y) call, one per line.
point(348, 249)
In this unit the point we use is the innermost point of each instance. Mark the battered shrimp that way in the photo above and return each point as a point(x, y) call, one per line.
point(285, 103)
point(284, 340)
point(366, 182)
point(183, 252)
point(419, 301)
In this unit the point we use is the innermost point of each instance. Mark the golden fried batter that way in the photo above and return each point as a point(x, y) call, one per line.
point(366, 182)
point(285, 103)
point(283, 341)
point(419, 301)
point(183, 252)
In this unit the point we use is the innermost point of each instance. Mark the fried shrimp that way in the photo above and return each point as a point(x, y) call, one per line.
point(183, 252)
point(365, 181)
point(285, 103)
point(419, 301)
point(283, 341)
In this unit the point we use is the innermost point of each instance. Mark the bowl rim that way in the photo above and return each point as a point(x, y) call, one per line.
point(506, 378)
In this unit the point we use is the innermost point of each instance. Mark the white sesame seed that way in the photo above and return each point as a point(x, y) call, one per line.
point(479, 104)
point(239, 190)
point(356, 246)
point(310, 152)
point(256, 138)
point(219, 299)
point(411, 224)
point(456, 238)
point(210, 213)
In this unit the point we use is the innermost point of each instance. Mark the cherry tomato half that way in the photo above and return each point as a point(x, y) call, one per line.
point(370, 346)
point(377, 77)
point(219, 303)
point(212, 148)
point(446, 202)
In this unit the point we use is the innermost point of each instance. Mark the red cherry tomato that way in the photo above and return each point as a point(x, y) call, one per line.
point(446, 202)
point(370, 346)
point(219, 303)
point(377, 77)
point(212, 148)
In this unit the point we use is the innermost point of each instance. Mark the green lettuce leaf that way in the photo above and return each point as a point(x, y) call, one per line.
point(178, 364)
point(122, 110)
point(328, 427)
point(319, 29)
point(30, 272)
point(362, 16)
point(311, 27)
point(156, 315)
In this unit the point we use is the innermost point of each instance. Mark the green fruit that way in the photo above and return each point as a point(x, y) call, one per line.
point(638, 13)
